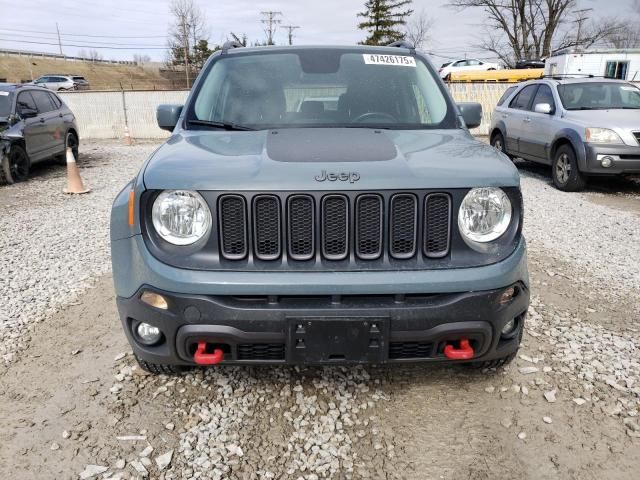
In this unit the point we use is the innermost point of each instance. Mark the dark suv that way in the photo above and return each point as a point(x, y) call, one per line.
point(320, 205)
point(35, 125)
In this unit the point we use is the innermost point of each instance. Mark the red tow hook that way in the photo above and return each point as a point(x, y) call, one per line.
point(465, 352)
point(202, 358)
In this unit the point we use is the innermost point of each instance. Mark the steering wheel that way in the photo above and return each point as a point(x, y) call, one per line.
point(369, 115)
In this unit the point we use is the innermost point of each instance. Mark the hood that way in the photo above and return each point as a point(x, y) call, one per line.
point(327, 159)
point(628, 119)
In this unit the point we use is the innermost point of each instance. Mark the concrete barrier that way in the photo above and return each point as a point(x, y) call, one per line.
point(105, 114)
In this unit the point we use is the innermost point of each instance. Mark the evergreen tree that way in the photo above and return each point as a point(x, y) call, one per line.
point(382, 19)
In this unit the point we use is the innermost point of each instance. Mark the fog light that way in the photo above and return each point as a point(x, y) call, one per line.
point(148, 334)
point(507, 295)
point(154, 299)
point(509, 327)
point(606, 162)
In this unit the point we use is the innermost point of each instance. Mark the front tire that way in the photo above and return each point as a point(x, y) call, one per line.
point(16, 165)
point(565, 173)
point(159, 369)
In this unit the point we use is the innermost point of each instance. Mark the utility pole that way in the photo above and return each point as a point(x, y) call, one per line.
point(271, 21)
point(59, 41)
point(581, 16)
point(185, 37)
point(290, 29)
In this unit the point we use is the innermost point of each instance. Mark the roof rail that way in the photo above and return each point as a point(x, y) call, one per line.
point(229, 45)
point(402, 44)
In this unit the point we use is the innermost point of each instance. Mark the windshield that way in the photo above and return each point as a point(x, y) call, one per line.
point(321, 88)
point(5, 104)
point(599, 96)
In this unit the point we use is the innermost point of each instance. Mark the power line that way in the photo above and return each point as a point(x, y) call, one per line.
point(81, 34)
point(290, 29)
point(270, 19)
point(83, 46)
point(89, 42)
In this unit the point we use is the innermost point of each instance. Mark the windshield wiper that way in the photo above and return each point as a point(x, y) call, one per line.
point(224, 125)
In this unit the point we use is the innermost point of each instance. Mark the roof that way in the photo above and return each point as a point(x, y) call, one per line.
point(285, 48)
point(10, 87)
point(598, 51)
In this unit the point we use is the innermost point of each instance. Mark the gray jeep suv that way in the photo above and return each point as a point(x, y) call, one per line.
point(581, 127)
point(320, 205)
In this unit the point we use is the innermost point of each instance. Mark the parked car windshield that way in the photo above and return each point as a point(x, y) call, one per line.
point(599, 96)
point(5, 104)
point(321, 88)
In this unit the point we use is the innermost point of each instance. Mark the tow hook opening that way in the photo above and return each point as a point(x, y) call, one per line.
point(459, 349)
point(208, 353)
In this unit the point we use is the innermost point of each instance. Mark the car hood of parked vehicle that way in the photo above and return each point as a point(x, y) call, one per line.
point(327, 159)
point(611, 118)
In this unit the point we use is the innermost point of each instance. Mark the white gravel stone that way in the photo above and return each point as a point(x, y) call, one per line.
point(164, 460)
point(91, 471)
point(550, 396)
point(528, 370)
point(547, 420)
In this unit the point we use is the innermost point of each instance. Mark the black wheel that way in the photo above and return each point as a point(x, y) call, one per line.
point(566, 176)
point(159, 369)
point(15, 166)
point(495, 363)
point(497, 141)
point(70, 141)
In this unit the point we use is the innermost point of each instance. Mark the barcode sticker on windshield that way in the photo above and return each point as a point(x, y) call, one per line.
point(397, 60)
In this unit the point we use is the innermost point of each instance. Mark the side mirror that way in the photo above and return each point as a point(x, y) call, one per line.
point(471, 114)
point(542, 108)
point(28, 112)
point(168, 116)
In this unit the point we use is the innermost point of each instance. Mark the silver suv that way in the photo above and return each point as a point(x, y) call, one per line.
point(580, 127)
point(62, 82)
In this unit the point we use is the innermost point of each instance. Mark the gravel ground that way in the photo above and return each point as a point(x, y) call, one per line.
point(566, 408)
point(54, 246)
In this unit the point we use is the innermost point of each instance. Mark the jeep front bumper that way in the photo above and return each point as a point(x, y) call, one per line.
point(320, 317)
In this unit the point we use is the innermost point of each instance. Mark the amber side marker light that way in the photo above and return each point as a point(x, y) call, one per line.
point(508, 295)
point(154, 299)
point(131, 209)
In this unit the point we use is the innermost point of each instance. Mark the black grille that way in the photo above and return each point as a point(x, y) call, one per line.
point(399, 350)
point(404, 216)
point(301, 227)
point(385, 227)
point(437, 220)
point(267, 228)
point(233, 227)
point(261, 351)
point(335, 228)
point(637, 135)
point(369, 226)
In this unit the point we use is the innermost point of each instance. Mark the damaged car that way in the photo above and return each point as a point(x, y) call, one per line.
point(35, 125)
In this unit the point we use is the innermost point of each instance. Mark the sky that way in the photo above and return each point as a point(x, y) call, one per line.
point(140, 26)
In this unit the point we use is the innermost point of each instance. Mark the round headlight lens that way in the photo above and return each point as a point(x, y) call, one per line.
point(181, 217)
point(485, 214)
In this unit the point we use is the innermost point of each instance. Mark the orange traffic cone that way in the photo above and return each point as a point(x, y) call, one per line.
point(127, 137)
point(74, 182)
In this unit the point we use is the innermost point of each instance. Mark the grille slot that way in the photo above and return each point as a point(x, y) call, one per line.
point(233, 227)
point(437, 225)
point(407, 350)
point(267, 227)
point(369, 226)
point(261, 351)
point(637, 135)
point(301, 222)
point(335, 227)
point(402, 224)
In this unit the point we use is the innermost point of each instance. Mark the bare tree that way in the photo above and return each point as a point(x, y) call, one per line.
point(189, 27)
point(531, 29)
point(141, 59)
point(418, 29)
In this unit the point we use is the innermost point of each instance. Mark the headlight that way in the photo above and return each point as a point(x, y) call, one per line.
point(485, 214)
point(181, 217)
point(602, 135)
